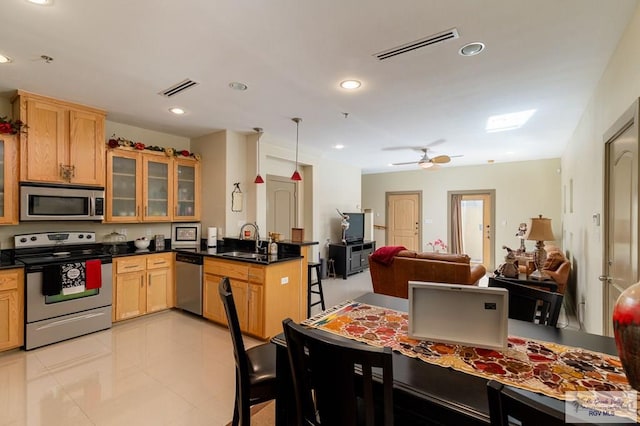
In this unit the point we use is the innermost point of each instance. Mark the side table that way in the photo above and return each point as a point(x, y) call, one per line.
point(549, 285)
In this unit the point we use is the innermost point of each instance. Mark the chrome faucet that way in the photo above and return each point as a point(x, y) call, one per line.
point(256, 234)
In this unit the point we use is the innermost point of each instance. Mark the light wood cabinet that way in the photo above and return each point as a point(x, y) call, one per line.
point(186, 189)
point(143, 284)
point(9, 180)
point(263, 295)
point(151, 187)
point(11, 308)
point(64, 142)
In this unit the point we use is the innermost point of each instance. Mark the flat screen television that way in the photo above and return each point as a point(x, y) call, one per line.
point(355, 232)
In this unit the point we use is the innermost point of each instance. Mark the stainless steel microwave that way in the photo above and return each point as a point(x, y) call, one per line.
point(60, 202)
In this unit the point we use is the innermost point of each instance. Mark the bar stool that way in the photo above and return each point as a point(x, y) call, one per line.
point(318, 291)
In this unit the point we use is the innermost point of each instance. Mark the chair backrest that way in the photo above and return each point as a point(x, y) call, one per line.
point(239, 352)
point(529, 303)
point(333, 378)
point(505, 402)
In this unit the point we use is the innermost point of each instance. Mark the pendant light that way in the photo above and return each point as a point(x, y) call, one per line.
point(296, 176)
point(258, 177)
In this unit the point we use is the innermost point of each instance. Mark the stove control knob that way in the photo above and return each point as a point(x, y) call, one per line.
point(34, 238)
point(23, 240)
point(80, 236)
point(88, 236)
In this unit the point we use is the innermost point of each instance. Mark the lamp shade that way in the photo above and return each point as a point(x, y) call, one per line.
point(539, 229)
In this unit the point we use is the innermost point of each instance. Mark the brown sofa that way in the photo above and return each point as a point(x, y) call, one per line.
point(393, 279)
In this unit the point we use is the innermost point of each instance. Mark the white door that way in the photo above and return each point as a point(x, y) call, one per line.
point(281, 205)
point(621, 234)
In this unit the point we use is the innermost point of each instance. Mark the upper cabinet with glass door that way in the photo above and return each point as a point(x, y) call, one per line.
point(156, 191)
point(187, 189)
point(149, 186)
point(124, 187)
point(8, 179)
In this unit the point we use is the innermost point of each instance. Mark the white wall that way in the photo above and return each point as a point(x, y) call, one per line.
point(212, 148)
point(523, 190)
point(146, 136)
point(583, 163)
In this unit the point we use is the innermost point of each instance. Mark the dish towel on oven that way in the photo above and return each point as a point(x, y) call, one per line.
point(94, 274)
point(67, 278)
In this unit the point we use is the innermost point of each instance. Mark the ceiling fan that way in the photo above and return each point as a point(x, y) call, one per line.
point(427, 162)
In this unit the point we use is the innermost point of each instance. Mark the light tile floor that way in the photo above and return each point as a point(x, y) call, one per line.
point(169, 368)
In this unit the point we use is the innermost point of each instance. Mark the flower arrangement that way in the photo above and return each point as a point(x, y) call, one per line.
point(10, 127)
point(437, 245)
point(116, 142)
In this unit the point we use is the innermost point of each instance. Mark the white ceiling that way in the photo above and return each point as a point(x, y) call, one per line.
point(292, 54)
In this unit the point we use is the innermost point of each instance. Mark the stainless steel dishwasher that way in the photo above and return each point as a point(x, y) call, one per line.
point(189, 282)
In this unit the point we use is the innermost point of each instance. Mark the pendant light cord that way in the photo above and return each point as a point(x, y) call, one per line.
point(297, 128)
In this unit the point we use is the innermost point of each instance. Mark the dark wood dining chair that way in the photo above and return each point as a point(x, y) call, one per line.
point(530, 303)
point(255, 367)
point(505, 403)
point(334, 382)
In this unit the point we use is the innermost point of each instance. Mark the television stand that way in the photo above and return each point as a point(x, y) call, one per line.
point(351, 257)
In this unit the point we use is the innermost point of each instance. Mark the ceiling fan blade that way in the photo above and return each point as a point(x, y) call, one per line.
point(399, 148)
point(404, 164)
point(436, 143)
point(441, 159)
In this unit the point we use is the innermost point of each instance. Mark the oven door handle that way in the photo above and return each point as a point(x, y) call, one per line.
point(68, 320)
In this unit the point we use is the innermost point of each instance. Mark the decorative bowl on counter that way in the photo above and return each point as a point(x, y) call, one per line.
point(142, 243)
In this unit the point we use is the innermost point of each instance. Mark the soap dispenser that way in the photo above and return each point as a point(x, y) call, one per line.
point(273, 247)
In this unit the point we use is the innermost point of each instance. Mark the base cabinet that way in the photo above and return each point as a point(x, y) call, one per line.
point(263, 295)
point(11, 308)
point(351, 258)
point(143, 284)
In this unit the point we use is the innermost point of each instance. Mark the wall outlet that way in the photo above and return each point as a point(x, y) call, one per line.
point(284, 280)
point(148, 232)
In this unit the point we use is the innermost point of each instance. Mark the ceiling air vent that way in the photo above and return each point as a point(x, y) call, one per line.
point(178, 88)
point(417, 44)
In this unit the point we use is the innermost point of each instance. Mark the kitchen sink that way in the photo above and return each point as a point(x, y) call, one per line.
point(245, 255)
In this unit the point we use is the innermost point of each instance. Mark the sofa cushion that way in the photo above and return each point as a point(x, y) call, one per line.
point(444, 257)
point(406, 253)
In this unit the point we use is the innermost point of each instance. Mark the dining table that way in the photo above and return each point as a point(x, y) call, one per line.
point(427, 394)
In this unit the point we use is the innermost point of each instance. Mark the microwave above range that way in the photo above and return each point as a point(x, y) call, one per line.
point(60, 202)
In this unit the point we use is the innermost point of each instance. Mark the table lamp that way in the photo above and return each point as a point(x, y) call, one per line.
point(539, 231)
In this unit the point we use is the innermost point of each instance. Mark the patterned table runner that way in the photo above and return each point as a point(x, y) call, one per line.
point(542, 367)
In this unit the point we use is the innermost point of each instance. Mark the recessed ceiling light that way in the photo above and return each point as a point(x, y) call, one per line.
point(514, 120)
point(338, 146)
point(235, 85)
point(471, 49)
point(5, 59)
point(350, 84)
point(41, 2)
point(176, 110)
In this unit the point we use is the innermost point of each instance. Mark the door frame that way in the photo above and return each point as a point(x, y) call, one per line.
point(492, 219)
point(627, 120)
point(386, 214)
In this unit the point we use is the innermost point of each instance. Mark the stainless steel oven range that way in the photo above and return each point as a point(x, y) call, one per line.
point(68, 289)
